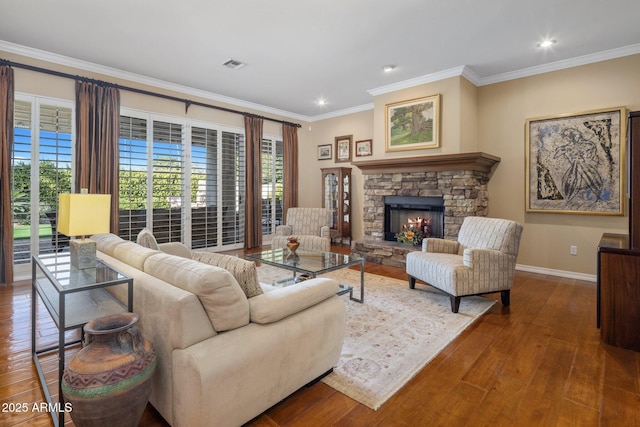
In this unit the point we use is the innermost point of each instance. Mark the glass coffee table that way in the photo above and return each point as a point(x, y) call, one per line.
point(311, 264)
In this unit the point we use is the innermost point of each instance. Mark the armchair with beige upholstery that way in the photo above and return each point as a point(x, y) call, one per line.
point(482, 261)
point(309, 225)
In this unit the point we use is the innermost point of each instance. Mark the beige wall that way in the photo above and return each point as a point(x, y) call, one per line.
point(360, 125)
point(489, 118)
point(36, 83)
point(492, 119)
point(504, 108)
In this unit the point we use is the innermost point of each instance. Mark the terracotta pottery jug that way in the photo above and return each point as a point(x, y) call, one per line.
point(108, 382)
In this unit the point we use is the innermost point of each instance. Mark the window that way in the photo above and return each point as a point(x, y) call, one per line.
point(41, 165)
point(272, 157)
point(193, 177)
point(133, 176)
point(233, 188)
point(204, 187)
point(167, 181)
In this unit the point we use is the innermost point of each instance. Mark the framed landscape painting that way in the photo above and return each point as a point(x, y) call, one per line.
point(413, 125)
point(575, 163)
point(364, 148)
point(343, 148)
point(325, 152)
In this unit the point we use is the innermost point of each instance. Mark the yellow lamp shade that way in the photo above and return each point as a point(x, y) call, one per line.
point(84, 214)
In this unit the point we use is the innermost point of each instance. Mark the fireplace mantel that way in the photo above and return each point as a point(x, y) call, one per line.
point(481, 162)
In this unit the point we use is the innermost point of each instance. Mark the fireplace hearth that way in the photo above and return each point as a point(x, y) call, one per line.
point(400, 210)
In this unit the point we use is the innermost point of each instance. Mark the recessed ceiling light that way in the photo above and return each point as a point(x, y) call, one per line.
point(321, 101)
point(388, 68)
point(546, 43)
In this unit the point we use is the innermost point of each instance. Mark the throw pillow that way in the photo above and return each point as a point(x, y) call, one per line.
point(244, 271)
point(146, 238)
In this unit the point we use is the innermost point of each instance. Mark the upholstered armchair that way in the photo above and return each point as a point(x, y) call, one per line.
point(482, 261)
point(309, 225)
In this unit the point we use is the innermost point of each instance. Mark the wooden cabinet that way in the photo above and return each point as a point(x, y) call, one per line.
point(336, 196)
point(633, 180)
point(618, 304)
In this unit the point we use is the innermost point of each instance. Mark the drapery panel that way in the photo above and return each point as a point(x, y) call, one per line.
point(97, 154)
point(6, 140)
point(290, 143)
point(253, 206)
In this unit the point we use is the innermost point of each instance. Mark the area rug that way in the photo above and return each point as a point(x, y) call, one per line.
point(393, 335)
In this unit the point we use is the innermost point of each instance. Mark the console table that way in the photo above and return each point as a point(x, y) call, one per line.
point(72, 297)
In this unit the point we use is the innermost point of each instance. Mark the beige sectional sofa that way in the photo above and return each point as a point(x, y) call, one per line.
point(224, 358)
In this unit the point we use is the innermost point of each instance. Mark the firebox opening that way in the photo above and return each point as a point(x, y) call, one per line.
point(398, 210)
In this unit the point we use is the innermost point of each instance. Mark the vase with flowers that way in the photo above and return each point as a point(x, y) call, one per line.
point(414, 231)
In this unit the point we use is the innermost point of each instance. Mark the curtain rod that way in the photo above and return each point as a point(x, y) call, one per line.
point(187, 102)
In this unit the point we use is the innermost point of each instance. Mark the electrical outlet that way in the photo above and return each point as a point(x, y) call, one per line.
point(573, 250)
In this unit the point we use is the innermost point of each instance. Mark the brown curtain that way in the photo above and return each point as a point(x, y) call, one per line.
point(97, 155)
point(253, 205)
point(290, 143)
point(6, 140)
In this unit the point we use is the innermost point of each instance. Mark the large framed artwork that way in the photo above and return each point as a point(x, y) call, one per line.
point(413, 125)
point(575, 163)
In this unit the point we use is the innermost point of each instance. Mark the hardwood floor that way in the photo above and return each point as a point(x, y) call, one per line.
point(537, 362)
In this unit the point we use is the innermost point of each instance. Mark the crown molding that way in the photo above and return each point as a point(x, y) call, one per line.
point(464, 71)
point(138, 78)
point(344, 112)
point(429, 78)
point(561, 65)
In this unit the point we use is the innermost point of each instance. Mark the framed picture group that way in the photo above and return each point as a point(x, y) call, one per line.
point(343, 146)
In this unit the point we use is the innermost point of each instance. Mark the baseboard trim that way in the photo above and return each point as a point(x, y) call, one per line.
point(559, 273)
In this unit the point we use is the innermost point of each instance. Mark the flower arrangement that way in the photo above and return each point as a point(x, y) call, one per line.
point(415, 231)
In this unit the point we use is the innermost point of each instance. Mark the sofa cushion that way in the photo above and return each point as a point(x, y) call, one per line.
point(217, 290)
point(147, 239)
point(133, 254)
point(283, 302)
point(106, 243)
point(244, 271)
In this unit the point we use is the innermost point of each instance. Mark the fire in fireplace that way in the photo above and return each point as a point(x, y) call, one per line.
point(401, 210)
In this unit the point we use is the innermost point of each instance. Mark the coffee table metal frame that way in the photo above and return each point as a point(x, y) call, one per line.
point(313, 264)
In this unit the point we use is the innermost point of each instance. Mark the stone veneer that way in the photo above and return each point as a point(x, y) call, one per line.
point(462, 185)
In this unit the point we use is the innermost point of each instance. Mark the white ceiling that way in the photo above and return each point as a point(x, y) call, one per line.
point(298, 51)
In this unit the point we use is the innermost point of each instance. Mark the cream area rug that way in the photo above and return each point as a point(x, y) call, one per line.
point(393, 335)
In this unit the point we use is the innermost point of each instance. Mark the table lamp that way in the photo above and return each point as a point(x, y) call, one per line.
point(82, 215)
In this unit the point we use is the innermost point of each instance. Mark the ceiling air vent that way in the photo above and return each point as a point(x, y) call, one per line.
point(233, 64)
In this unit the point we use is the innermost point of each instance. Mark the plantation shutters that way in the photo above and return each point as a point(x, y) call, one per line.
point(167, 181)
point(232, 188)
point(204, 187)
point(40, 170)
point(133, 176)
point(272, 153)
point(192, 177)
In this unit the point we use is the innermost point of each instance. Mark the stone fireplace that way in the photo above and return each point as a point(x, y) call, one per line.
point(460, 180)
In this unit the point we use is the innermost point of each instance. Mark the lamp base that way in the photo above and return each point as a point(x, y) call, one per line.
point(83, 253)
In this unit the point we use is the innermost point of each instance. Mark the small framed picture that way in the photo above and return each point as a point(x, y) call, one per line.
point(343, 148)
point(325, 152)
point(364, 148)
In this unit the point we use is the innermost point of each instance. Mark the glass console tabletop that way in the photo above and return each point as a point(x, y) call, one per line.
point(312, 263)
